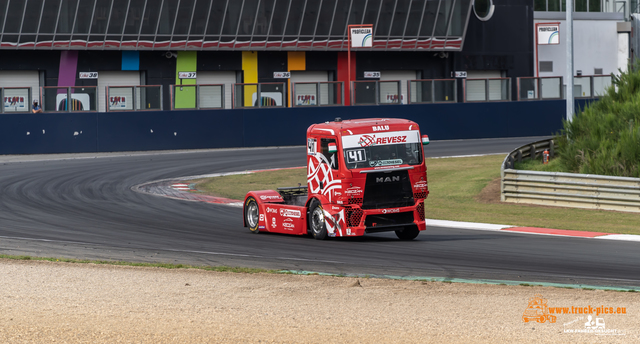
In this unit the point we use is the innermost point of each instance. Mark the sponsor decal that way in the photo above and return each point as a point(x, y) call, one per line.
point(388, 179)
point(261, 217)
point(271, 210)
point(376, 163)
point(380, 127)
point(390, 211)
point(288, 223)
point(119, 102)
point(380, 138)
point(339, 202)
point(371, 140)
point(273, 222)
point(264, 197)
point(335, 208)
point(290, 213)
point(261, 227)
point(311, 146)
point(386, 167)
point(337, 193)
point(354, 191)
point(420, 185)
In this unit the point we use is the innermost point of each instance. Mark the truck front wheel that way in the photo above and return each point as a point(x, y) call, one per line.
point(408, 233)
point(252, 214)
point(316, 220)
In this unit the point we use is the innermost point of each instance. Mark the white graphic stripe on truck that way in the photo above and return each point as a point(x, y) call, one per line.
point(319, 171)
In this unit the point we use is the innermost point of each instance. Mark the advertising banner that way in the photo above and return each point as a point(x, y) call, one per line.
point(548, 33)
point(362, 37)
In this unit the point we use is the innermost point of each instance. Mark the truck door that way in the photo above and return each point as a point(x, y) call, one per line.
point(323, 165)
point(329, 148)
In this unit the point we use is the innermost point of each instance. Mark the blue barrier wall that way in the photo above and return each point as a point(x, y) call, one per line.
point(164, 130)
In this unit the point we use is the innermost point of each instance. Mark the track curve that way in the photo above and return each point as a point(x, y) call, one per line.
point(85, 208)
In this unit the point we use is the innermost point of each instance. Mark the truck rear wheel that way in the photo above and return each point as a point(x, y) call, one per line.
point(252, 214)
point(316, 220)
point(408, 233)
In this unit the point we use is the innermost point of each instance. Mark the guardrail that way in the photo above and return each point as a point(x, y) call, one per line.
point(565, 189)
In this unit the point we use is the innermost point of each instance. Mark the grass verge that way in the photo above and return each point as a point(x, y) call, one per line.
point(461, 189)
point(150, 265)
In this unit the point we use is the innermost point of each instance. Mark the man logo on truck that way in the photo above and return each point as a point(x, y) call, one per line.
point(388, 179)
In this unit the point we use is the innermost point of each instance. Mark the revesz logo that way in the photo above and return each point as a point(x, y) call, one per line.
point(370, 140)
point(388, 179)
point(367, 140)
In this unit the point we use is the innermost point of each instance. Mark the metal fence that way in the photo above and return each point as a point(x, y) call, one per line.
point(326, 93)
point(532, 88)
point(266, 94)
point(376, 92)
point(69, 99)
point(565, 189)
point(134, 98)
point(589, 86)
point(197, 97)
point(433, 91)
point(487, 90)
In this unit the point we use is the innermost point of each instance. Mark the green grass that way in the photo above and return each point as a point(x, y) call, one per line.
point(554, 165)
point(455, 185)
point(237, 186)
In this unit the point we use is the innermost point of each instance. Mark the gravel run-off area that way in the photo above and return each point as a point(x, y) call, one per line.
point(52, 302)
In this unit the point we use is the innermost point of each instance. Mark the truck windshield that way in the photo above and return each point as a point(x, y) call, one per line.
point(383, 155)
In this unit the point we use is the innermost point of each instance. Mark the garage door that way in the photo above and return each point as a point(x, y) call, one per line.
point(306, 94)
point(209, 95)
point(124, 96)
point(476, 89)
point(389, 92)
point(18, 100)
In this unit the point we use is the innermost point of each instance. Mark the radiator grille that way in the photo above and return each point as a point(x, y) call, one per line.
point(420, 195)
point(420, 209)
point(354, 216)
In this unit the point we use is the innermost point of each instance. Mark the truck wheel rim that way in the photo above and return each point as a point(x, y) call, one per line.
point(252, 215)
point(317, 220)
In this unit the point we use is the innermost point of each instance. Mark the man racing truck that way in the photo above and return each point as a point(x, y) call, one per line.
point(363, 176)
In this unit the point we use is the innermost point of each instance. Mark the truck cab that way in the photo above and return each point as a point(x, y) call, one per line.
point(363, 176)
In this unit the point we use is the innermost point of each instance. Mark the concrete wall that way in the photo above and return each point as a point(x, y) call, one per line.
point(164, 130)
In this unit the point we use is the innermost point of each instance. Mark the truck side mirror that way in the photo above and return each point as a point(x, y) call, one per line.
point(425, 139)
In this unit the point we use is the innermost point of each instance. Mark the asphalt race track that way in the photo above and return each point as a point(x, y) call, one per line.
point(82, 206)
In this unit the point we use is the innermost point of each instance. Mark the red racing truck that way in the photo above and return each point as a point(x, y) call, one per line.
point(363, 176)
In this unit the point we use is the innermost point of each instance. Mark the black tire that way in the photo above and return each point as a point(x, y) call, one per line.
point(317, 226)
point(252, 214)
point(408, 233)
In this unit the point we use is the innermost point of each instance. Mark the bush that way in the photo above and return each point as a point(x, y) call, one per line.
point(605, 137)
